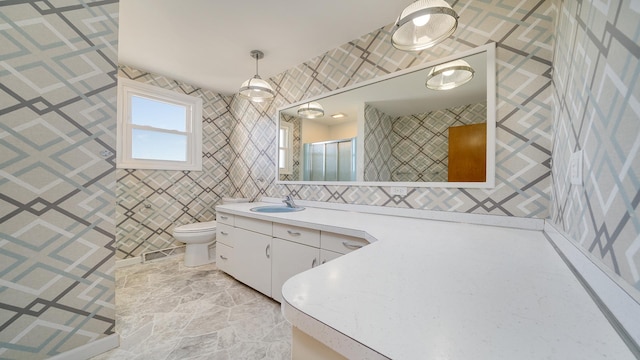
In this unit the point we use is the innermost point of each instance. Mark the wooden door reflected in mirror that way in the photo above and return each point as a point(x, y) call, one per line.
point(467, 153)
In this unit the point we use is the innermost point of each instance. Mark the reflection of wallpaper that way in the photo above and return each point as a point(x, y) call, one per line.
point(57, 117)
point(297, 143)
point(421, 141)
point(596, 67)
point(523, 31)
point(378, 161)
point(174, 197)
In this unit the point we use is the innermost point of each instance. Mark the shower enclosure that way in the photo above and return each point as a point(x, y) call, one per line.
point(330, 160)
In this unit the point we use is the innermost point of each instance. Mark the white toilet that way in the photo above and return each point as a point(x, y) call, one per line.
point(198, 237)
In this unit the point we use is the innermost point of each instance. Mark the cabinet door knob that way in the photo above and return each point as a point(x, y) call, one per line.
point(293, 233)
point(266, 251)
point(349, 245)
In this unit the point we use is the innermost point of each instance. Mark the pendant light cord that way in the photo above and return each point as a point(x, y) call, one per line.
point(256, 57)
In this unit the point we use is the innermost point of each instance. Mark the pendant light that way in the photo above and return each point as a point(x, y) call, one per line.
point(256, 89)
point(311, 110)
point(423, 24)
point(450, 75)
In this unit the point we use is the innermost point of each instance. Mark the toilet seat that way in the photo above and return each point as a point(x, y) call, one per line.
point(196, 227)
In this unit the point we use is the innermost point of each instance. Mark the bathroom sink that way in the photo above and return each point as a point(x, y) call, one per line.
point(275, 209)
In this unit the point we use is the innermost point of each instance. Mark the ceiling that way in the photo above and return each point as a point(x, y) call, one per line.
point(206, 43)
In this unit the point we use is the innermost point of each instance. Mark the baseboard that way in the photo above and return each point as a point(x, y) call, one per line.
point(616, 299)
point(91, 349)
point(128, 262)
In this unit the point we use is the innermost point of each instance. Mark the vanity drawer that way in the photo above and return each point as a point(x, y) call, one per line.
point(224, 234)
point(255, 225)
point(297, 234)
point(224, 218)
point(342, 244)
point(224, 258)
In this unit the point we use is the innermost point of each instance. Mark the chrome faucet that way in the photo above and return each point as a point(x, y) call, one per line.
point(289, 201)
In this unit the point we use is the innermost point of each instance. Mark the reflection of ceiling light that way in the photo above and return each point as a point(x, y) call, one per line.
point(256, 89)
point(423, 24)
point(338, 115)
point(450, 75)
point(311, 110)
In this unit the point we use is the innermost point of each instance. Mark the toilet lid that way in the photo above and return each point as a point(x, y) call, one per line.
point(195, 227)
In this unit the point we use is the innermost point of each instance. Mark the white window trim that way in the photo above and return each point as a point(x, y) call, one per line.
point(287, 169)
point(127, 88)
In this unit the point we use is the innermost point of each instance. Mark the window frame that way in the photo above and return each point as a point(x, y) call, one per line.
point(287, 169)
point(193, 127)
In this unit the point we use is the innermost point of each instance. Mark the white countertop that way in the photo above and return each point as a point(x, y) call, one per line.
point(428, 289)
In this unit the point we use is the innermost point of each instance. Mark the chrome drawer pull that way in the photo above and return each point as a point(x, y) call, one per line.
point(224, 217)
point(313, 263)
point(223, 258)
point(293, 233)
point(266, 251)
point(223, 233)
point(351, 246)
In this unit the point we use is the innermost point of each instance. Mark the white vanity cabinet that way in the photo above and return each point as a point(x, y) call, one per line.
point(224, 248)
point(225, 243)
point(243, 247)
point(290, 258)
point(252, 259)
point(265, 254)
point(295, 249)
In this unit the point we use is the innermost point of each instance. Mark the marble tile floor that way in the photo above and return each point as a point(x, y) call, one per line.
point(167, 311)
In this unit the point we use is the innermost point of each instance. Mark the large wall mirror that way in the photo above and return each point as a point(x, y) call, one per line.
point(396, 130)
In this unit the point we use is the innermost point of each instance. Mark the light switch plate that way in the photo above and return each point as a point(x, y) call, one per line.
point(399, 190)
point(575, 168)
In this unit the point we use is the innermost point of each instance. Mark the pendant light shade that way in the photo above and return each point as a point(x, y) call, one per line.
point(423, 24)
point(311, 110)
point(450, 75)
point(256, 89)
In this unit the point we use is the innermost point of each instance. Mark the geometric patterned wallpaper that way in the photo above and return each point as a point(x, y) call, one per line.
point(597, 110)
point(150, 203)
point(413, 147)
point(378, 145)
point(523, 32)
point(57, 175)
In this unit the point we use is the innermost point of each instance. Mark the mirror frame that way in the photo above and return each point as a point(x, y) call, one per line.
point(489, 182)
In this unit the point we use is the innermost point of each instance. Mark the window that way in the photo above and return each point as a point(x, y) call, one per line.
point(158, 128)
point(285, 148)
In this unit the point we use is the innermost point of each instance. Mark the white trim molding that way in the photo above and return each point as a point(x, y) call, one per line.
point(617, 300)
point(192, 105)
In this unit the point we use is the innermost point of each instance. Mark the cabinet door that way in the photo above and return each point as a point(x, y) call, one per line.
point(251, 259)
point(290, 258)
point(326, 256)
